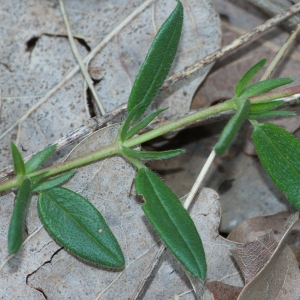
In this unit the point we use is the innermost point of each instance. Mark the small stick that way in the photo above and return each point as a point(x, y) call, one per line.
point(274, 9)
point(280, 53)
point(74, 48)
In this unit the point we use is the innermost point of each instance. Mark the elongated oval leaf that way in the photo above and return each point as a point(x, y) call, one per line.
point(143, 123)
point(172, 222)
point(36, 160)
point(157, 63)
point(16, 226)
point(264, 86)
point(19, 166)
point(152, 155)
point(50, 183)
point(279, 153)
point(77, 225)
point(262, 107)
point(268, 114)
point(232, 127)
point(247, 77)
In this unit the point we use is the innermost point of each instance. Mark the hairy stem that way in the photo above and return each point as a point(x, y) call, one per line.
point(114, 148)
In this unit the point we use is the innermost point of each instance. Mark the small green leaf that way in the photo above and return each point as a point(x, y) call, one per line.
point(78, 226)
point(36, 160)
point(152, 155)
point(126, 124)
point(19, 166)
point(262, 107)
point(232, 127)
point(172, 222)
point(143, 123)
point(279, 153)
point(16, 226)
point(244, 81)
point(157, 63)
point(50, 183)
point(37, 178)
point(264, 86)
point(268, 114)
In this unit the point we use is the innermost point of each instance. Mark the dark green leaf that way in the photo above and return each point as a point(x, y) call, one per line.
point(77, 225)
point(264, 86)
point(172, 222)
point(143, 123)
point(152, 155)
point(157, 63)
point(232, 127)
point(19, 166)
point(16, 226)
point(279, 153)
point(36, 160)
point(50, 183)
point(262, 107)
point(268, 114)
point(244, 81)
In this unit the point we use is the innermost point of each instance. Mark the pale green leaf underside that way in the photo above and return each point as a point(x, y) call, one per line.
point(172, 222)
point(78, 226)
point(18, 162)
point(36, 160)
point(247, 77)
point(264, 86)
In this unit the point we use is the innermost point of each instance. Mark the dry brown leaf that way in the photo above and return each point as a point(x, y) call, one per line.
point(280, 277)
point(252, 228)
point(222, 291)
point(252, 257)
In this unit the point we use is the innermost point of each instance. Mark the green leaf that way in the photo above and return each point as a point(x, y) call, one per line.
point(279, 153)
point(171, 221)
point(268, 114)
point(50, 183)
point(37, 178)
point(262, 107)
point(232, 127)
point(264, 86)
point(152, 155)
point(143, 123)
point(36, 160)
point(16, 226)
point(244, 81)
point(157, 63)
point(78, 226)
point(19, 166)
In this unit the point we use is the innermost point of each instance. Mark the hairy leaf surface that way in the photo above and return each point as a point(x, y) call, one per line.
point(77, 225)
point(16, 226)
point(171, 221)
point(279, 153)
point(157, 63)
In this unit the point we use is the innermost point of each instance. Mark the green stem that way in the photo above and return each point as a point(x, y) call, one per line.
point(114, 148)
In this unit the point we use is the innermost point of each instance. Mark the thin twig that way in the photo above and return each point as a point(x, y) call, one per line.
point(199, 179)
point(91, 55)
point(280, 53)
point(274, 9)
point(245, 38)
point(76, 53)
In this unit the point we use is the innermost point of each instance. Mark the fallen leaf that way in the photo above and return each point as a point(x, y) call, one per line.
point(279, 278)
point(222, 291)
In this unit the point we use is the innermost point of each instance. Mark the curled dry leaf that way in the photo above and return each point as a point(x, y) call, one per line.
point(279, 277)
